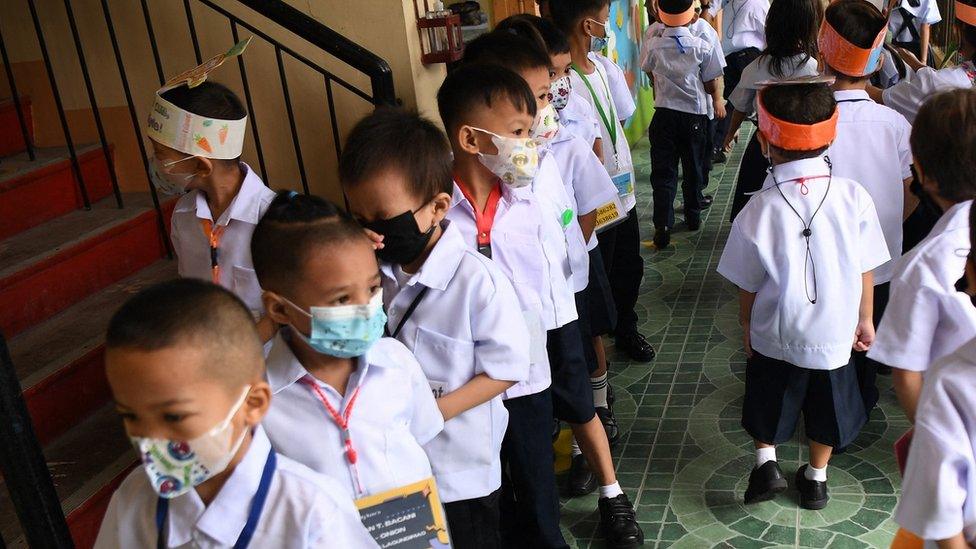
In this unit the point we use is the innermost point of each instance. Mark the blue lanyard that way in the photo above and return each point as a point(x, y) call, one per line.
point(257, 505)
point(677, 40)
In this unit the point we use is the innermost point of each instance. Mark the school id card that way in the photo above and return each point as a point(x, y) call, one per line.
point(610, 214)
point(408, 517)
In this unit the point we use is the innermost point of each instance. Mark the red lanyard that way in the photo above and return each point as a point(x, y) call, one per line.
point(483, 220)
point(802, 182)
point(213, 235)
point(341, 421)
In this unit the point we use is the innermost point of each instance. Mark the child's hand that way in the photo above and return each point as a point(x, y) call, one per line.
point(910, 59)
point(730, 140)
point(864, 335)
point(719, 109)
point(747, 340)
point(376, 238)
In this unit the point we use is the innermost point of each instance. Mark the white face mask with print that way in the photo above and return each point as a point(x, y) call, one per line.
point(516, 162)
point(165, 182)
point(546, 125)
point(559, 91)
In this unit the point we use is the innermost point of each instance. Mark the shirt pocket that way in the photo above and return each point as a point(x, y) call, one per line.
point(444, 358)
point(247, 288)
point(528, 265)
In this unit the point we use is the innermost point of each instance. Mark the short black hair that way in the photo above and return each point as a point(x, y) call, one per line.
point(566, 14)
point(536, 28)
point(188, 312)
point(294, 225)
point(674, 7)
point(859, 22)
point(804, 104)
point(402, 140)
point(944, 143)
point(209, 99)
point(792, 27)
point(480, 84)
point(509, 49)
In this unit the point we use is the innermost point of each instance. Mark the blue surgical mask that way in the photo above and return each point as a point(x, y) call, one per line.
point(599, 43)
point(345, 331)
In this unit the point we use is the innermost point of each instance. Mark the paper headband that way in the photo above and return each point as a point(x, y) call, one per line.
point(847, 58)
point(965, 13)
point(676, 19)
point(190, 133)
point(796, 137)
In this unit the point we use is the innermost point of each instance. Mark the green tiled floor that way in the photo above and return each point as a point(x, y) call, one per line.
point(685, 459)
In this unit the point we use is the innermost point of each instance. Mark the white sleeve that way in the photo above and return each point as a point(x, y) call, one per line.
point(623, 99)
point(907, 329)
point(874, 249)
point(427, 421)
point(108, 533)
point(335, 522)
point(711, 66)
point(907, 96)
point(592, 186)
point(501, 339)
point(905, 147)
point(931, 15)
point(743, 97)
point(740, 262)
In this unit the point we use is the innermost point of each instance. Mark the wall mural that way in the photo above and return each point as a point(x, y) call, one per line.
point(628, 19)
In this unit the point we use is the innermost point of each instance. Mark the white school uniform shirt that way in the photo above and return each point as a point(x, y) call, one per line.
point(872, 148)
point(394, 416)
point(565, 247)
point(303, 509)
point(467, 323)
point(517, 244)
point(192, 246)
point(587, 183)
point(765, 254)
point(579, 119)
point(681, 63)
point(926, 318)
point(927, 12)
point(908, 96)
point(939, 488)
point(623, 97)
point(743, 98)
point(616, 158)
point(699, 28)
point(743, 25)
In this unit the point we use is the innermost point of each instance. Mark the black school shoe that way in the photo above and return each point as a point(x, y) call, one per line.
point(662, 237)
point(634, 345)
point(609, 422)
point(813, 493)
point(707, 201)
point(765, 482)
point(582, 481)
point(719, 157)
point(618, 523)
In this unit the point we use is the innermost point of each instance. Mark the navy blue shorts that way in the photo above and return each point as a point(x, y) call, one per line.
point(600, 310)
point(572, 394)
point(777, 392)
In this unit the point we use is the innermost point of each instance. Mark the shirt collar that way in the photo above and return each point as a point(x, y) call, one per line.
point(956, 217)
point(442, 263)
point(509, 195)
point(225, 517)
point(807, 168)
point(849, 95)
point(246, 206)
point(676, 31)
point(285, 370)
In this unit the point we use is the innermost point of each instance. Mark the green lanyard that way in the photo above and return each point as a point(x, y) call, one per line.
point(609, 122)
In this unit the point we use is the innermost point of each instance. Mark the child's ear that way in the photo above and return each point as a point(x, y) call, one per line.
point(763, 144)
point(257, 403)
point(275, 308)
point(204, 166)
point(442, 204)
point(468, 140)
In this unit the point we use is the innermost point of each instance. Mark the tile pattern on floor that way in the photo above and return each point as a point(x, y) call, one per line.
point(685, 458)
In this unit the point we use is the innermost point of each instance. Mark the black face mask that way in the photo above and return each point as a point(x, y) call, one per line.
point(962, 285)
point(402, 240)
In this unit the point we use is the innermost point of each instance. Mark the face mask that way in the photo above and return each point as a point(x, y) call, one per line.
point(175, 467)
point(402, 240)
point(165, 182)
point(345, 331)
point(546, 125)
point(599, 43)
point(517, 160)
point(559, 91)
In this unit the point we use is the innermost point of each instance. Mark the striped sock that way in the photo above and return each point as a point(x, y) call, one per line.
point(600, 385)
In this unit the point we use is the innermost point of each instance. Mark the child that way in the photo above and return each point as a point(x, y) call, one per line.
point(186, 370)
point(684, 70)
point(396, 173)
point(911, 23)
point(584, 23)
point(322, 282)
point(908, 95)
point(791, 51)
point(926, 318)
point(872, 141)
point(936, 501)
point(743, 24)
point(213, 222)
point(801, 253)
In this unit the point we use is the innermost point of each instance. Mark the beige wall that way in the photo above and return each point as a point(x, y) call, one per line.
point(375, 24)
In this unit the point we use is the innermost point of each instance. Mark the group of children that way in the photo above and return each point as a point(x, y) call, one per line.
point(852, 210)
point(445, 322)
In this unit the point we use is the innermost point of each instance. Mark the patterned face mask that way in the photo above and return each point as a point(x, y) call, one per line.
point(559, 91)
point(345, 331)
point(546, 125)
point(516, 162)
point(165, 182)
point(599, 43)
point(175, 467)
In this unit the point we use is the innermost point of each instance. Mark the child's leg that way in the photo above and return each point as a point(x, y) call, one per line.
point(592, 440)
point(692, 152)
point(752, 174)
point(474, 523)
point(664, 165)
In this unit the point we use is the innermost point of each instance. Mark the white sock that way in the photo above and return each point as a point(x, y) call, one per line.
point(575, 450)
point(610, 491)
point(765, 454)
point(599, 385)
point(812, 473)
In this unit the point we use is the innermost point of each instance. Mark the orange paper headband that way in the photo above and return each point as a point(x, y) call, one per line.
point(966, 14)
point(677, 19)
point(847, 58)
point(796, 137)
